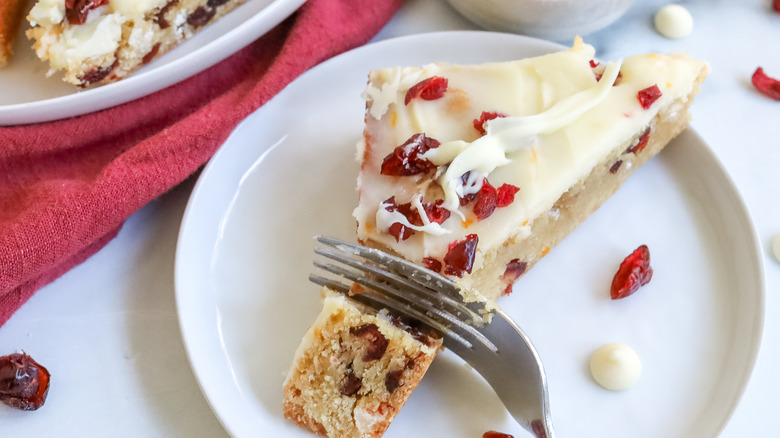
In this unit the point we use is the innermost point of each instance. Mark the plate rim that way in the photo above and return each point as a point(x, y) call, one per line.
point(429, 37)
point(758, 263)
point(155, 79)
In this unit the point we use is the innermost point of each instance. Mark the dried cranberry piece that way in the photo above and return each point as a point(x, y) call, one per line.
point(400, 231)
point(435, 212)
point(489, 198)
point(160, 17)
point(538, 429)
point(377, 342)
point(479, 124)
point(635, 271)
point(97, 74)
point(201, 16)
point(768, 86)
point(487, 201)
point(594, 63)
point(466, 199)
point(405, 159)
point(351, 383)
point(494, 434)
point(514, 269)
point(460, 256)
point(641, 143)
point(390, 204)
point(776, 5)
point(506, 194)
point(24, 383)
point(615, 167)
point(152, 53)
point(394, 380)
point(432, 264)
point(76, 11)
point(418, 330)
point(648, 96)
point(428, 89)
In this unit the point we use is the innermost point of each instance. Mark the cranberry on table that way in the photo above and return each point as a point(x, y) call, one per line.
point(494, 434)
point(767, 85)
point(24, 383)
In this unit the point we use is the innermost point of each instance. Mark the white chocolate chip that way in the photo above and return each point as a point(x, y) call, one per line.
point(776, 246)
point(615, 366)
point(673, 21)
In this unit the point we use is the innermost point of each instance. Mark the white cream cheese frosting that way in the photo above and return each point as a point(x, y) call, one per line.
point(47, 12)
point(50, 12)
point(100, 35)
point(65, 44)
point(136, 8)
point(564, 116)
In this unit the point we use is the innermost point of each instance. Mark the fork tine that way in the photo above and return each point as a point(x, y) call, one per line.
point(404, 297)
point(396, 300)
point(423, 277)
point(422, 292)
point(500, 351)
point(331, 284)
point(378, 301)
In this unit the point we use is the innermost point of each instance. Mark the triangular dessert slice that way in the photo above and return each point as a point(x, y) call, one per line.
point(355, 369)
point(476, 171)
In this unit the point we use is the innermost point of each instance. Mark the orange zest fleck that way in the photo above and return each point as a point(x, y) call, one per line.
point(545, 251)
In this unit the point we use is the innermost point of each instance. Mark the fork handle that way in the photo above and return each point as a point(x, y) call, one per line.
point(523, 392)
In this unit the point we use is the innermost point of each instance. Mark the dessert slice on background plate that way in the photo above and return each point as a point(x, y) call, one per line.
point(102, 41)
point(11, 17)
point(355, 369)
point(478, 171)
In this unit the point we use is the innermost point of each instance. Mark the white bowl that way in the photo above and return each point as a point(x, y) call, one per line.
point(558, 20)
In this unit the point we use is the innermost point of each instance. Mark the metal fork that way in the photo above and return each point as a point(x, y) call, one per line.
point(499, 350)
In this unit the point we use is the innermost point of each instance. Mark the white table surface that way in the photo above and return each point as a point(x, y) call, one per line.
point(108, 329)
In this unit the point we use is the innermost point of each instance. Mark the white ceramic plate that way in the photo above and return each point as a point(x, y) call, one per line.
point(28, 96)
point(288, 173)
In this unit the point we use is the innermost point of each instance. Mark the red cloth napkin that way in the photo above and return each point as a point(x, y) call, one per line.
point(67, 186)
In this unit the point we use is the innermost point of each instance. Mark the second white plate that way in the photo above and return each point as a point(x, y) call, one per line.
point(288, 173)
point(27, 95)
